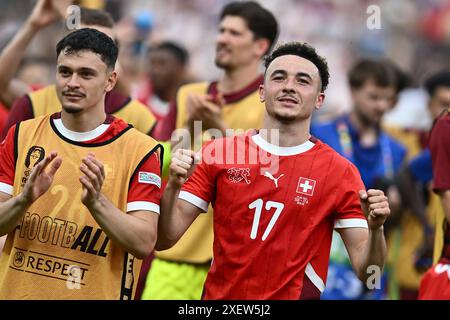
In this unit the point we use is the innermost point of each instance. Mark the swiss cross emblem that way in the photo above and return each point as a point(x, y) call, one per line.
point(306, 186)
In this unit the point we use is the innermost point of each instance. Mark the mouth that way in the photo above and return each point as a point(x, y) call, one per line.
point(288, 100)
point(73, 96)
point(222, 51)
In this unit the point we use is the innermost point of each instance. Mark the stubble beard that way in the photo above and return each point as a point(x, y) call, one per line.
point(72, 109)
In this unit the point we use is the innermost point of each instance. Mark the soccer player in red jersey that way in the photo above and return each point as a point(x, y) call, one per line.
point(276, 201)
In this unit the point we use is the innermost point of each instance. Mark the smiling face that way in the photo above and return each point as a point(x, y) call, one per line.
point(82, 79)
point(235, 44)
point(291, 89)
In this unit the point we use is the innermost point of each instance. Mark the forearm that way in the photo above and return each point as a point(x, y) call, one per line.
point(130, 233)
point(12, 55)
point(373, 253)
point(168, 230)
point(11, 211)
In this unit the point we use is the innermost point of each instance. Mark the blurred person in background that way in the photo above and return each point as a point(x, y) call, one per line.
point(358, 137)
point(167, 71)
point(247, 31)
point(44, 101)
point(167, 64)
point(424, 209)
point(436, 282)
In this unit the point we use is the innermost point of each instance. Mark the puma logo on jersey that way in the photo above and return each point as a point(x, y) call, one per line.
point(237, 175)
point(271, 177)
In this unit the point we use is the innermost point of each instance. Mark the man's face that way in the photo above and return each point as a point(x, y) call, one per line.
point(291, 89)
point(165, 69)
point(439, 101)
point(235, 44)
point(372, 101)
point(82, 79)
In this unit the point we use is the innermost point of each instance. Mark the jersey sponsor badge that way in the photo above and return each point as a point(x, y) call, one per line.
point(149, 178)
point(306, 186)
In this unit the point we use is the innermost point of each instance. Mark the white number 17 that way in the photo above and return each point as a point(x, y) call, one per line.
point(258, 205)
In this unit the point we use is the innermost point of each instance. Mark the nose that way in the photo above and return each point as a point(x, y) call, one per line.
point(289, 85)
point(222, 37)
point(384, 104)
point(73, 81)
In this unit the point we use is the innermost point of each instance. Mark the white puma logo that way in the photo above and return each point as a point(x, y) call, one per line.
point(271, 177)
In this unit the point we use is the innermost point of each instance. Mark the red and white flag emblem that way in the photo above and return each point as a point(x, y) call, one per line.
point(306, 186)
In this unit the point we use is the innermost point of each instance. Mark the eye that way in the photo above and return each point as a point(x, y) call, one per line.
point(303, 81)
point(64, 72)
point(86, 75)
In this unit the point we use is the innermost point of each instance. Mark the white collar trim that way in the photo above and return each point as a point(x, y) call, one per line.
point(80, 136)
point(281, 151)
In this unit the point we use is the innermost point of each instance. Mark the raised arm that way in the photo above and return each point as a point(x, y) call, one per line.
point(134, 231)
point(367, 247)
point(44, 13)
point(13, 208)
point(176, 214)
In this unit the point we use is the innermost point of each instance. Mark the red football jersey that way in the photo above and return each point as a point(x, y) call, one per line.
point(274, 212)
point(435, 284)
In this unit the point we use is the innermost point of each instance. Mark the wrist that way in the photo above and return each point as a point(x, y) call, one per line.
point(377, 230)
point(23, 200)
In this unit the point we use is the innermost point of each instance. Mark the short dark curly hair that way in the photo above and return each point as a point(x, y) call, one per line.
point(305, 51)
point(93, 40)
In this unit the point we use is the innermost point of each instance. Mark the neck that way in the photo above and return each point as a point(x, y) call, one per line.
point(289, 134)
point(84, 121)
point(368, 132)
point(360, 124)
point(237, 79)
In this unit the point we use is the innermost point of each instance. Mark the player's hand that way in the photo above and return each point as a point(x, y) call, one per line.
point(375, 206)
point(91, 180)
point(181, 167)
point(206, 108)
point(46, 12)
point(41, 178)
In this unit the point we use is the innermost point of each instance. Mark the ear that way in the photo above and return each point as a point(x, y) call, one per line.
point(319, 101)
point(262, 95)
point(111, 81)
point(261, 47)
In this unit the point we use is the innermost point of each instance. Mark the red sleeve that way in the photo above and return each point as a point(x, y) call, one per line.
point(199, 188)
point(145, 186)
point(21, 110)
point(348, 212)
point(440, 153)
point(7, 162)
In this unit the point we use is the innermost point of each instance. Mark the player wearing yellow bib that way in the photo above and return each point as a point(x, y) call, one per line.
point(79, 190)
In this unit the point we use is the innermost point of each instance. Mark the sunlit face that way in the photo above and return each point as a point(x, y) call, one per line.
point(82, 79)
point(439, 101)
point(235, 44)
point(372, 101)
point(292, 89)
